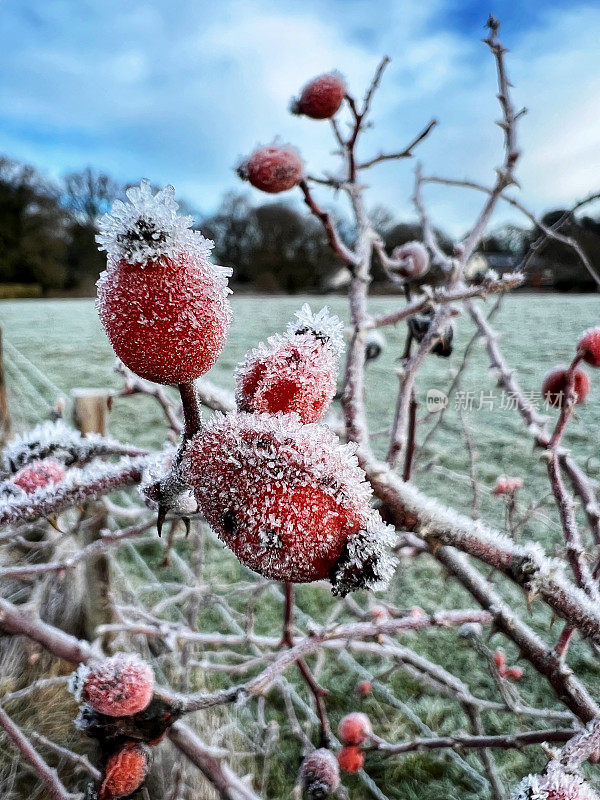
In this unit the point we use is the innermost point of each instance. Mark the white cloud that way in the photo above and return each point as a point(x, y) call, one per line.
point(178, 91)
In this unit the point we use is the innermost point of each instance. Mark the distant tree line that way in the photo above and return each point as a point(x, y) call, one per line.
point(47, 232)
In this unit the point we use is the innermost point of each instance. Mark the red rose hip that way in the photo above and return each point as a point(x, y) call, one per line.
point(556, 386)
point(161, 301)
point(39, 475)
point(354, 728)
point(119, 686)
point(319, 774)
point(125, 772)
point(272, 168)
point(289, 501)
point(350, 759)
point(293, 373)
point(321, 97)
point(589, 346)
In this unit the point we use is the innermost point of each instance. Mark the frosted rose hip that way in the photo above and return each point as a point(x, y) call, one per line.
point(350, 759)
point(556, 384)
point(589, 346)
point(125, 772)
point(296, 372)
point(119, 686)
point(274, 168)
point(38, 475)
point(290, 502)
point(319, 774)
point(414, 260)
point(354, 728)
point(321, 97)
point(161, 301)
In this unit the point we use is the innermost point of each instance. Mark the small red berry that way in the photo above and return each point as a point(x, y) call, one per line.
point(296, 372)
point(38, 475)
point(499, 659)
point(350, 758)
point(125, 772)
point(364, 688)
point(321, 97)
point(516, 673)
point(556, 385)
point(161, 301)
point(119, 686)
point(289, 501)
point(319, 774)
point(413, 258)
point(273, 168)
point(506, 485)
point(589, 346)
point(354, 728)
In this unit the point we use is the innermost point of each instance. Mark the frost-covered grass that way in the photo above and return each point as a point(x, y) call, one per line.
point(64, 339)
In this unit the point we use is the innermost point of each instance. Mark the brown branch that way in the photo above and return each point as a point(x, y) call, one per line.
point(406, 153)
point(335, 242)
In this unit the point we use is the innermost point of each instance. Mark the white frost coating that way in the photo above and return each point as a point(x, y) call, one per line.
point(324, 325)
point(554, 784)
point(369, 554)
point(77, 680)
point(57, 440)
point(149, 228)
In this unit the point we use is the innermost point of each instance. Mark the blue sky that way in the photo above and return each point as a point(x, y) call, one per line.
point(177, 91)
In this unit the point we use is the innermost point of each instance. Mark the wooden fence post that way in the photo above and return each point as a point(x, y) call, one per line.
point(89, 415)
point(4, 412)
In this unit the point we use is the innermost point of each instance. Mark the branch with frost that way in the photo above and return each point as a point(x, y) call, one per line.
point(505, 173)
point(525, 565)
point(508, 741)
point(46, 774)
point(78, 486)
point(98, 546)
point(56, 440)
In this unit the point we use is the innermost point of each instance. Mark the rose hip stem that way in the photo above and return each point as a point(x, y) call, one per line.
point(191, 409)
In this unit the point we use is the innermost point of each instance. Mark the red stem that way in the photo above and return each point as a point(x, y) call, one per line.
point(191, 409)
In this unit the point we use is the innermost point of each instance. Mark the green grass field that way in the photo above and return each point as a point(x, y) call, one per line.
point(65, 342)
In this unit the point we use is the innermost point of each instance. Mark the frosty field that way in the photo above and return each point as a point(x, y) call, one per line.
point(65, 342)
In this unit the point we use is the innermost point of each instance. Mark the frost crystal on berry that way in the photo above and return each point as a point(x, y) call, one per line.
point(148, 227)
point(323, 325)
point(38, 475)
point(289, 500)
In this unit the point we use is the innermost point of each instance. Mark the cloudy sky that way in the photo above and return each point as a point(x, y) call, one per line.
point(178, 90)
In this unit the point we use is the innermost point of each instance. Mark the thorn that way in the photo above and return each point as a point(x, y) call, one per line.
point(188, 524)
point(54, 522)
point(162, 513)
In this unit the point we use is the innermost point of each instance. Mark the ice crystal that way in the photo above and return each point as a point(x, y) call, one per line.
point(148, 228)
point(288, 499)
point(323, 325)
